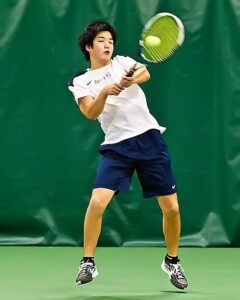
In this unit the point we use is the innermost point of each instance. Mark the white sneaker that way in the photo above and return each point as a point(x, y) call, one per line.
point(176, 274)
point(87, 271)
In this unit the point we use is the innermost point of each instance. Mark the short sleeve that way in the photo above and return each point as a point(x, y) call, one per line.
point(79, 90)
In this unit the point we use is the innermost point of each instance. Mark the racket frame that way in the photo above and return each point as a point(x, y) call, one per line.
point(179, 41)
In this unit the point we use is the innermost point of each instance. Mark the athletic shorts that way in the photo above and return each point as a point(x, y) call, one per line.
point(147, 154)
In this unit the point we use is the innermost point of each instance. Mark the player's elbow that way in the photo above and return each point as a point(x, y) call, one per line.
point(91, 116)
point(88, 113)
point(147, 75)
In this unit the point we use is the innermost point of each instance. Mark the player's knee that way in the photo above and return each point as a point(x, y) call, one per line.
point(96, 206)
point(171, 211)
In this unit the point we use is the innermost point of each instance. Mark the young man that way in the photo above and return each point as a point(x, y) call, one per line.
point(132, 142)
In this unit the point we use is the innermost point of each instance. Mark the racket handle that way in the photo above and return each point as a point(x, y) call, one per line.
point(130, 73)
point(133, 70)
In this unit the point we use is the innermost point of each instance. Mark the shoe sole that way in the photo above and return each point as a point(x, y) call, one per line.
point(170, 277)
point(94, 275)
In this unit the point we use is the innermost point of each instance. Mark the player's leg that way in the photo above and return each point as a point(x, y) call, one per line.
point(93, 219)
point(112, 175)
point(92, 228)
point(171, 222)
point(157, 180)
point(171, 228)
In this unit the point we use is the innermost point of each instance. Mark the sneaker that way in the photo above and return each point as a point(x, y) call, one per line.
point(175, 273)
point(87, 271)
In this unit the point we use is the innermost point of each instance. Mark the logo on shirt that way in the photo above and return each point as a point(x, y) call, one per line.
point(105, 76)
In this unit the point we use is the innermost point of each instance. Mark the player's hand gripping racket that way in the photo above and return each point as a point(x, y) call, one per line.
point(162, 35)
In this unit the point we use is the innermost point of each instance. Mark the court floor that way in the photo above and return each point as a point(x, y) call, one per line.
point(48, 273)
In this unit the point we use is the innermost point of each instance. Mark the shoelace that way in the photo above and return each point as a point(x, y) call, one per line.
point(84, 268)
point(178, 271)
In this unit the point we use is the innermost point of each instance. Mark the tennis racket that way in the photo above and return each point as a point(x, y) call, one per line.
point(162, 35)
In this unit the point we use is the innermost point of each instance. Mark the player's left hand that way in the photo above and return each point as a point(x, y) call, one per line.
point(127, 81)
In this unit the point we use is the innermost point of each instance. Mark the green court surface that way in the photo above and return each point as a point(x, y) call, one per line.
point(48, 273)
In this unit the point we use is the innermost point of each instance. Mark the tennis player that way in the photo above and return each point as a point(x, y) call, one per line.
point(133, 142)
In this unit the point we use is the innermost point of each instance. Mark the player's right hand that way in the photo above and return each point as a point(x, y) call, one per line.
point(113, 89)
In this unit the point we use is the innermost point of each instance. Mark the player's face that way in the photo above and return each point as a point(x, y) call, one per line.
point(102, 48)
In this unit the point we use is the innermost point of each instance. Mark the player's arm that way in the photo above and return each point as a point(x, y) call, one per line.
point(93, 107)
point(139, 76)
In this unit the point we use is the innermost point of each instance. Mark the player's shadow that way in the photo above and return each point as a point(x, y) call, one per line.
point(161, 295)
point(173, 292)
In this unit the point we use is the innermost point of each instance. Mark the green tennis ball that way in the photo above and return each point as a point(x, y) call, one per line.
point(152, 41)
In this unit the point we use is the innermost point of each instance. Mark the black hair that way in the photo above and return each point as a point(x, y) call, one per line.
point(91, 31)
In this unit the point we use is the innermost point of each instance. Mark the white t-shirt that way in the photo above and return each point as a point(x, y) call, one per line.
point(124, 116)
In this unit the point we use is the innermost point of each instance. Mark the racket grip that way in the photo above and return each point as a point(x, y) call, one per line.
point(130, 73)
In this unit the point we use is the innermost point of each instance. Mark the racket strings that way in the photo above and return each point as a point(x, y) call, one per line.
point(168, 37)
point(167, 30)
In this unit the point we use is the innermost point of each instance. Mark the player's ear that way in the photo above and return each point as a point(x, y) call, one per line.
point(88, 47)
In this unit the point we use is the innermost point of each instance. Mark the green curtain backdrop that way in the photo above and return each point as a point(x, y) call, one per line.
point(48, 150)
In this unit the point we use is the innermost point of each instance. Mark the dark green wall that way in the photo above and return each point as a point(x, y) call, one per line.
point(48, 150)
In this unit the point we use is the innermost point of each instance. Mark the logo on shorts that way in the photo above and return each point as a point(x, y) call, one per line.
point(173, 186)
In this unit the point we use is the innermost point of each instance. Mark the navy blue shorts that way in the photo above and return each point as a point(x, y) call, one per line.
point(147, 154)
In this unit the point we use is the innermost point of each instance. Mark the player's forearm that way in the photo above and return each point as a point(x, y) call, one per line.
point(97, 106)
point(141, 76)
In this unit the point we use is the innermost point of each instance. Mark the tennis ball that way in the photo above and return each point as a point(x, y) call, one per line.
point(152, 41)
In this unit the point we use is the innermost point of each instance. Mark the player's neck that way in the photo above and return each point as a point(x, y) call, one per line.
point(97, 64)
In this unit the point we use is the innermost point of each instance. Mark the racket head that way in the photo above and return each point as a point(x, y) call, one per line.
point(169, 29)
